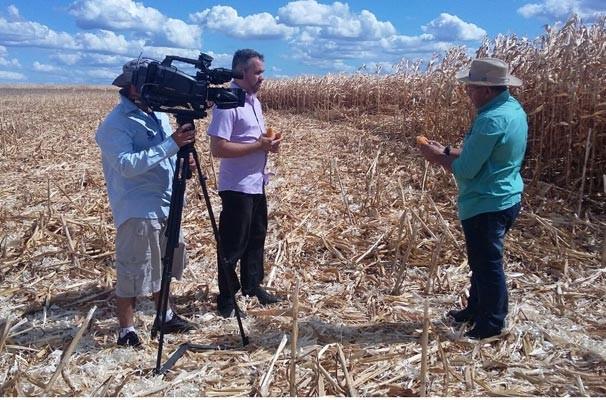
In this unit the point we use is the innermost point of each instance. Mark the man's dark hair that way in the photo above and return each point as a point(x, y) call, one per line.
point(241, 58)
point(498, 89)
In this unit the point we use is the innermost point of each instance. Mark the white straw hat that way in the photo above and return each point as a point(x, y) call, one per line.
point(488, 72)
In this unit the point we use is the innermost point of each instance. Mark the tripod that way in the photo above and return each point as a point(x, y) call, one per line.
point(173, 229)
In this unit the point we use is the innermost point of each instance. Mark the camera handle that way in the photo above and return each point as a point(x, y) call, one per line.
point(173, 228)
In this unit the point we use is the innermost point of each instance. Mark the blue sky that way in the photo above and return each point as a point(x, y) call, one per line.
point(87, 41)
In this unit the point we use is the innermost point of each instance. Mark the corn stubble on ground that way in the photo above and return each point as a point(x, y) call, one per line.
point(368, 232)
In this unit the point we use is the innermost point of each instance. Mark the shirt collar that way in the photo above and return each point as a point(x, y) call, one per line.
point(128, 104)
point(494, 103)
point(131, 107)
point(250, 98)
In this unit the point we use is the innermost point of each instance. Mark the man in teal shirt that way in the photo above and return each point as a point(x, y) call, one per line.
point(487, 171)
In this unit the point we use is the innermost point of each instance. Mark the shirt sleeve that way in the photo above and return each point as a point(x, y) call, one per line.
point(477, 148)
point(117, 148)
point(222, 123)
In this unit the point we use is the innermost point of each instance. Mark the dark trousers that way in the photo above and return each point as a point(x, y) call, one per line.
point(484, 236)
point(242, 229)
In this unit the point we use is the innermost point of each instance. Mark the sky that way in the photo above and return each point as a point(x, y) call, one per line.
point(85, 42)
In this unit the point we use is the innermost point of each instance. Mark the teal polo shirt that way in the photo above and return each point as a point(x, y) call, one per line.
point(488, 169)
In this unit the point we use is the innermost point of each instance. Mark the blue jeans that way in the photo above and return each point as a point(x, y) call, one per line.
point(484, 236)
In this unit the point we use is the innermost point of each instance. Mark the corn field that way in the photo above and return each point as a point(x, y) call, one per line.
point(363, 244)
point(564, 94)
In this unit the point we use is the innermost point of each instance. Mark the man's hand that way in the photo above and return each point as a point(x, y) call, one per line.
point(437, 144)
point(192, 163)
point(432, 151)
point(185, 134)
point(269, 144)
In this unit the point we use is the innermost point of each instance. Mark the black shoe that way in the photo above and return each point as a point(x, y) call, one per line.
point(264, 297)
point(175, 325)
point(229, 311)
point(129, 340)
point(478, 333)
point(460, 316)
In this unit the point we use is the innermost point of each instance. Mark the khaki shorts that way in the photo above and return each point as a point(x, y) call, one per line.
point(140, 246)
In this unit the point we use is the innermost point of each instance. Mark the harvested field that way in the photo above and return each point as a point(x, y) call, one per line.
point(363, 242)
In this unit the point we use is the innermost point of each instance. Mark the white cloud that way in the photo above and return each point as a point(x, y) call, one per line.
point(562, 9)
point(33, 34)
point(13, 76)
point(127, 15)
point(66, 59)
point(105, 59)
point(13, 13)
point(13, 63)
point(363, 26)
point(180, 34)
point(452, 28)
point(115, 14)
point(107, 74)
point(37, 66)
point(333, 36)
point(312, 49)
point(330, 35)
point(5, 62)
point(422, 44)
point(336, 20)
point(108, 41)
point(342, 67)
point(226, 20)
point(311, 13)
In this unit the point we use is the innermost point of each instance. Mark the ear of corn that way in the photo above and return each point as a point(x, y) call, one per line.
point(270, 134)
point(422, 140)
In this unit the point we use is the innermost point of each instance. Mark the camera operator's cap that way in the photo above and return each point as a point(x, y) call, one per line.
point(126, 77)
point(488, 72)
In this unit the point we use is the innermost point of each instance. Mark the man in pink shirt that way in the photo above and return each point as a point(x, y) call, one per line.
point(237, 137)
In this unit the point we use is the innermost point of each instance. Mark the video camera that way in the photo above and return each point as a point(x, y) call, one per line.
point(166, 89)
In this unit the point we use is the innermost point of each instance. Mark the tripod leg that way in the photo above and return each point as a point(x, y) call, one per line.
point(173, 228)
point(221, 256)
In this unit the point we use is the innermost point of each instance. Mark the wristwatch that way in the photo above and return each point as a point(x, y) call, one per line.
point(446, 150)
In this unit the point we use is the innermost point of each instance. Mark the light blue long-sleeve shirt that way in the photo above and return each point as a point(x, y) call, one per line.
point(488, 169)
point(138, 158)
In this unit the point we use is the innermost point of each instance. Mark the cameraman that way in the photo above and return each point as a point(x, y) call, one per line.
point(236, 136)
point(138, 156)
